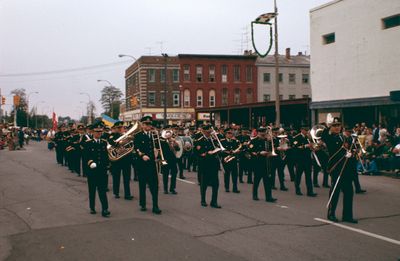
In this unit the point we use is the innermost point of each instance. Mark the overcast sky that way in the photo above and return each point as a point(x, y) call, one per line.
point(38, 36)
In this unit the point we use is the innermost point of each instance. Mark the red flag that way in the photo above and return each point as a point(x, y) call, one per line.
point(54, 121)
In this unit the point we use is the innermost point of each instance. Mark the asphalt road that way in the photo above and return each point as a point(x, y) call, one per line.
point(44, 215)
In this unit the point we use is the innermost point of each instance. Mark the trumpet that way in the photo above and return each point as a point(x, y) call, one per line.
point(232, 156)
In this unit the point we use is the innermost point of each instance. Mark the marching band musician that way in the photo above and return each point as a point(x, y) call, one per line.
point(86, 135)
point(261, 150)
point(60, 144)
point(169, 148)
point(184, 158)
point(291, 154)
point(197, 137)
point(146, 161)
point(304, 148)
point(339, 149)
point(245, 157)
point(323, 160)
point(122, 165)
point(278, 163)
point(97, 161)
point(208, 164)
point(231, 152)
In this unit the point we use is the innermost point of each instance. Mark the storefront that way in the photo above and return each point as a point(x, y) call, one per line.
point(174, 115)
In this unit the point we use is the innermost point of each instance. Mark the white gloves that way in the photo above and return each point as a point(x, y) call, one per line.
point(93, 165)
point(348, 155)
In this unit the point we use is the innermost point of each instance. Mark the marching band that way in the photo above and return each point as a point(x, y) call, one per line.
point(207, 151)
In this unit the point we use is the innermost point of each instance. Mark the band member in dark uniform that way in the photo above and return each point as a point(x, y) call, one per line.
point(146, 165)
point(60, 144)
point(197, 137)
point(97, 161)
point(85, 137)
point(207, 149)
point(303, 149)
point(229, 155)
point(340, 153)
point(261, 150)
point(278, 163)
point(122, 165)
point(244, 157)
point(169, 148)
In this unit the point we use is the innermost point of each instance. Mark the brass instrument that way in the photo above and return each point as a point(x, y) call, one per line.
point(124, 144)
point(214, 134)
point(156, 141)
point(232, 156)
point(283, 145)
point(273, 153)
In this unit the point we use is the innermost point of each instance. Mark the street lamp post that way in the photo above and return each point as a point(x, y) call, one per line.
point(140, 89)
point(90, 107)
point(27, 108)
point(165, 88)
point(277, 96)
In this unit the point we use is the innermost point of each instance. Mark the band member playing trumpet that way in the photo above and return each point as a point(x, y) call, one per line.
point(229, 155)
point(208, 161)
point(169, 149)
point(146, 161)
point(262, 153)
point(97, 161)
point(304, 148)
point(340, 153)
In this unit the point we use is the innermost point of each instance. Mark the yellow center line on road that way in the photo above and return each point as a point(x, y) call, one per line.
point(390, 240)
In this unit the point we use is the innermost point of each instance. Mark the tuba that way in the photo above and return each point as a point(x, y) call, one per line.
point(124, 144)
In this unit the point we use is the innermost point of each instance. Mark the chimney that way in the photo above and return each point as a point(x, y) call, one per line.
point(287, 53)
point(300, 53)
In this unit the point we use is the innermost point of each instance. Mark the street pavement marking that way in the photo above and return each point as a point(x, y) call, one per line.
point(183, 180)
point(393, 241)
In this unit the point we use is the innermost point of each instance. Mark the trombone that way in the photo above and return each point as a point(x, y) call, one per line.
point(273, 153)
point(156, 141)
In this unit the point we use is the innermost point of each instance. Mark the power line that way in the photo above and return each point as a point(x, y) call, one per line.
point(64, 70)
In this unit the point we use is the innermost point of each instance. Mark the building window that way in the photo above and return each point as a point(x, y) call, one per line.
point(236, 73)
point(306, 96)
point(162, 98)
point(236, 98)
point(186, 72)
point(186, 98)
point(151, 75)
point(305, 78)
point(391, 21)
point(175, 75)
point(162, 75)
point(199, 99)
point(292, 78)
point(267, 77)
point(281, 77)
point(249, 73)
point(328, 38)
point(151, 98)
point(224, 73)
point(211, 73)
point(224, 96)
point(281, 97)
point(211, 96)
point(292, 96)
point(267, 97)
point(175, 99)
point(199, 73)
point(249, 95)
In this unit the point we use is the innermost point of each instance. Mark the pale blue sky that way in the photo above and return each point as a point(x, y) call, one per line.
point(48, 35)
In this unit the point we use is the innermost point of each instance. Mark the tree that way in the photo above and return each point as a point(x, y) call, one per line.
point(111, 100)
point(22, 108)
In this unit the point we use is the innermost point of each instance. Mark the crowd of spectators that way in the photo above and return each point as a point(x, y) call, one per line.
point(15, 138)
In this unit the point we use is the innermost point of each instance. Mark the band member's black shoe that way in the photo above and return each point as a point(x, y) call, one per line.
point(93, 211)
point(326, 186)
point(143, 209)
point(116, 196)
point(361, 191)
point(350, 220)
point(105, 213)
point(284, 189)
point(182, 177)
point(250, 182)
point(129, 197)
point(271, 200)
point(215, 206)
point(316, 186)
point(227, 190)
point(236, 191)
point(241, 181)
point(333, 218)
point(157, 211)
point(107, 189)
point(173, 192)
point(204, 204)
point(274, 188)
point(312, 194)
point(256, 198)
point(165, 192)
point(298, 193)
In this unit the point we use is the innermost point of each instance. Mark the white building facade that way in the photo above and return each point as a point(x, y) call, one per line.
point(355, 68)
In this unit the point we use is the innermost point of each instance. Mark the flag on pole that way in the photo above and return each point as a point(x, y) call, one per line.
point(108, 121)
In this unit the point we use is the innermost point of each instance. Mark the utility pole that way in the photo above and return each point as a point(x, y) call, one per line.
point(165, 88)
point(277, 99)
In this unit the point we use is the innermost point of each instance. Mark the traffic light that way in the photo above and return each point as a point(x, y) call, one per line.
point(3, 100)
point(17, 100)
point(134, 102)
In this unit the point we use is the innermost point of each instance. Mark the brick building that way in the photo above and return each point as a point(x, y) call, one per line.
point(145, 82)
point(210, 81)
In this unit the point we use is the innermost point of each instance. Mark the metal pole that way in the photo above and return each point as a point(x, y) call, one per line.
point(277, 99)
